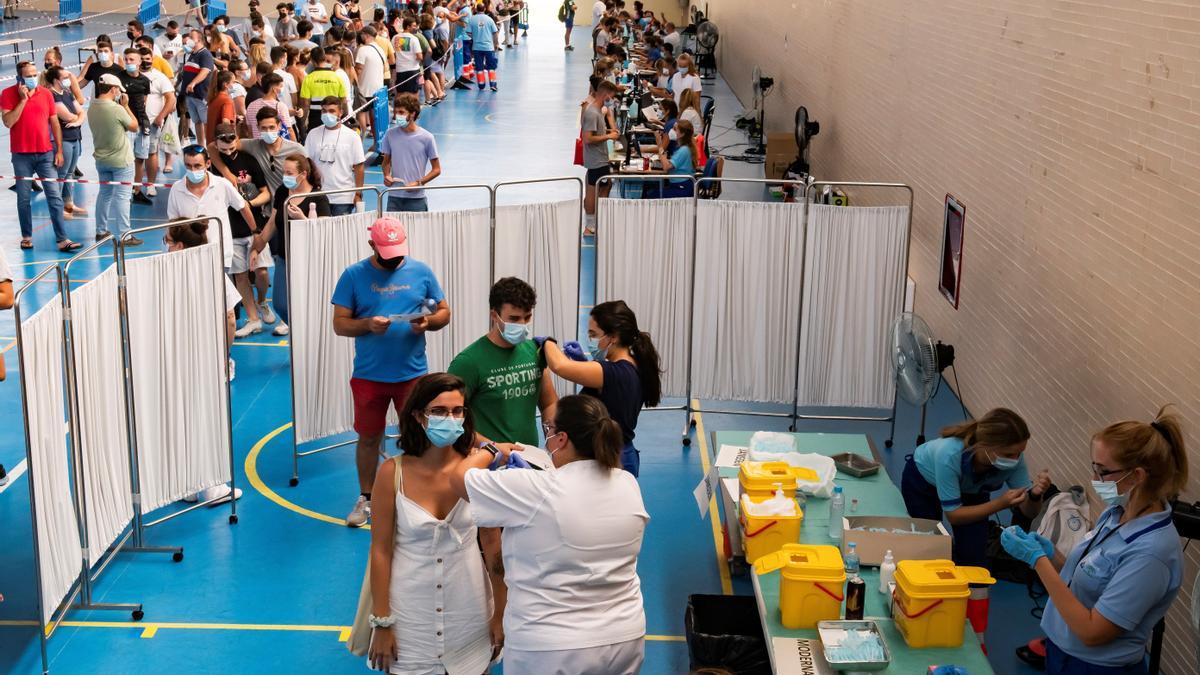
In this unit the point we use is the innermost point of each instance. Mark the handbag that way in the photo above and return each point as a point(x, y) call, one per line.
point(359, 641)
point(579, 150)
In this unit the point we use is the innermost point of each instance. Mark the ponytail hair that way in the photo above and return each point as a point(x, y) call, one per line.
point(998, 428)
point(615, 318)
point(304, 163)
point(1157, 447)
point(595, 435)
point(190, 234)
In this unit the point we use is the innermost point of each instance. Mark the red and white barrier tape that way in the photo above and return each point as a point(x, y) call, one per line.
point(83, 19)
point(85, 181)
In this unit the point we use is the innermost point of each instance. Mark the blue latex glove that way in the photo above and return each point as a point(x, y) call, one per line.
point(574, 351)
point(1021, 546)
point(540, 340)
point(497, 462)
point(1046, 544)
point(516, 461)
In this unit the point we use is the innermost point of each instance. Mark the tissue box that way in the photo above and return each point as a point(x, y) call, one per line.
point(935, 545)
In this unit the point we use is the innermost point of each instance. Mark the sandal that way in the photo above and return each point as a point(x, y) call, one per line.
point(67, 245)
point(26, 243)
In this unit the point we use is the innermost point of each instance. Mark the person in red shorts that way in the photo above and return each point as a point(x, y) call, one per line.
point(386, 303)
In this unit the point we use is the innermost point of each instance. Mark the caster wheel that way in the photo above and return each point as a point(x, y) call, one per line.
point(792, 428)
point(233, 520)
point(294, 482)
point(738, 567)
point(692, 423)
point(177, 556)
point(687, 442)
point(888, 444)
point(138, 615)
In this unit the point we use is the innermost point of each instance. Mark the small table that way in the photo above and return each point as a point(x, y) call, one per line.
point(16, 43)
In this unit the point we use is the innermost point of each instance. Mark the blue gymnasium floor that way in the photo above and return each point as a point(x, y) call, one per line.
point(273, 593)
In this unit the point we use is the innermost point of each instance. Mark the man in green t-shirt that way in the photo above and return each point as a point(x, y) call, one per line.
point(505, 370)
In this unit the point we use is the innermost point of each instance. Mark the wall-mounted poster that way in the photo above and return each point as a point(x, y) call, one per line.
point(952, 243)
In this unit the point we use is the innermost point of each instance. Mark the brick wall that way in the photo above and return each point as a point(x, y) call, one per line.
point(1071, 130)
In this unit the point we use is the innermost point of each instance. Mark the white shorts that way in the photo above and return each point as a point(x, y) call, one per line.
point(622, 658)
point(241, 256)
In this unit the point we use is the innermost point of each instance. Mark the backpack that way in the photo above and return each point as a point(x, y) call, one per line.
point(1066, 520)
point(562, 12)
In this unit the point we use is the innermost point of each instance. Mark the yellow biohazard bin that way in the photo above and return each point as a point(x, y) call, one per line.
point(811, 584)
point(930, 605)
point(762, 535)
point(761, 479)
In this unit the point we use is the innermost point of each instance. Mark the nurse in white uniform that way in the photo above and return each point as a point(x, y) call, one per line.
point(433, 609)
point(570, 546)
point(1107, 595)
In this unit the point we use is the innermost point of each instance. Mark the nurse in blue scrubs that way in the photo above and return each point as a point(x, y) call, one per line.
point(955, 476)
point(1107, 595)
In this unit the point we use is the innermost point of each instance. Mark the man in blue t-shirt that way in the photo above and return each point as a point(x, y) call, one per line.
point(483, 43)
point(386, 303)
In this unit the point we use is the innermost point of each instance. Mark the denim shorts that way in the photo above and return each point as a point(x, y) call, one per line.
point(198, 110)
point(145, 145)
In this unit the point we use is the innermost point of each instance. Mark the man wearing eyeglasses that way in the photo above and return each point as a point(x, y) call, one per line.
point(339, 155)
point(386, 303)
point(505, 370)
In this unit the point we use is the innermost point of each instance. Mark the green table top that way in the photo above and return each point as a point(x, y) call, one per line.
point(877, 496)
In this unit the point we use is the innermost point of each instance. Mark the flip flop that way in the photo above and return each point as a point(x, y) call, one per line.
point(67, 245)
point(26, 243)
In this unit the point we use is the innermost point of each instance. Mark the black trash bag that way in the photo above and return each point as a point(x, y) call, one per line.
point(724, 631)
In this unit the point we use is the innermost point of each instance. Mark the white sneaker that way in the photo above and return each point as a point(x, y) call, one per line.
point(232, 369)
point(360, 514)
point(248, 328)
point(265, 313)
point(281, 329)
point(217, 492)
point(151, 191)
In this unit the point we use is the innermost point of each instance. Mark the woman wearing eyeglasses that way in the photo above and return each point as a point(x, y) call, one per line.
point(571, 541)
point(432, 590)
point(1107, 595)
point(956, 475)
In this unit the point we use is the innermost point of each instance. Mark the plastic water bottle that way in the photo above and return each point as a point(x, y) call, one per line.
point(887, 572)
point(837, 506)
point(312, 211)
point(850, 560)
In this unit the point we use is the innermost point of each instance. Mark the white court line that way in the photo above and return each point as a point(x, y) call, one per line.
point(17, 472)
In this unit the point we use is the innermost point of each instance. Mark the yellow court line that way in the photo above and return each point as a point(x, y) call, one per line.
point(9, 345)
point(282, 343)
point(251, 467)
point(714, 517)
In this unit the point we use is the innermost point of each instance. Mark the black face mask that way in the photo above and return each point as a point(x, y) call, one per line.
point(129, 34)
point(146, 66)
point(389, 263)
point(48, 65)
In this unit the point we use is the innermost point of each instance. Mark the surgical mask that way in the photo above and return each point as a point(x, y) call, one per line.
point(129, 34)
point(671, 135)
point(131, 68)
point(401, 121)
point(47, 65)
point(196, 177)
point(269, 137)
point(146, 66)
point(1108, 492)
point(105, 58)
point(596, 352)
point(329, 119)
point(516, 333)
point(244, 75)
point(30, 82)
point(1004, 463)
point(290, 182)
point(443, 431)
point(65, 82)
point(221, 28)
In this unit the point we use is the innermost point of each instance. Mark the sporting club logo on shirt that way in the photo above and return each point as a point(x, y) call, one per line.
point(516, 381)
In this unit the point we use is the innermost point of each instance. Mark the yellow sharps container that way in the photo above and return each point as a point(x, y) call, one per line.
point(931, 601)
point(811, 584)
point(761, 479)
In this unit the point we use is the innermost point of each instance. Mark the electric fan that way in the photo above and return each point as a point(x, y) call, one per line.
point(917, 362)
point(805, 129)
point(707, 37)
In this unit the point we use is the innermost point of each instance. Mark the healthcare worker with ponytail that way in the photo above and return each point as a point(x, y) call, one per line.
point(570, 546)
point(1107, 595)
point(623, 372)
point(957, 474)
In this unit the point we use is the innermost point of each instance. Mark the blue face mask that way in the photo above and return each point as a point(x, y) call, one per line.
point(1004, 463)
point(131, 67)
point(596, 352)
point(516, 333)
point(329, 119)
point(30, 82)
point(443, 431)
point(269, 137)
point(290, 182)
point(196, 177)
point(400, 121)
point(1108, 492)
point(221, 28)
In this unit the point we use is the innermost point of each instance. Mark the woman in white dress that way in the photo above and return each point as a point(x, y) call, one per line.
point(433, 591)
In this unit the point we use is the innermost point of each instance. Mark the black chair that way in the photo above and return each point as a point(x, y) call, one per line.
point(708, 106)
point(713, 169)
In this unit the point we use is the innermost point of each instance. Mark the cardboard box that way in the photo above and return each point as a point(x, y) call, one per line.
point(781, 152)
point(873, 545)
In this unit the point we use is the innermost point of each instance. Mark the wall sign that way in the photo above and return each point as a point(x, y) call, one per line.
point(950, 277)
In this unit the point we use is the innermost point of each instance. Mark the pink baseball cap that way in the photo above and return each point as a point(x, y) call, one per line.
point(389, 237)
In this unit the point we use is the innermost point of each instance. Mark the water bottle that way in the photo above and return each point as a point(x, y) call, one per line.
point(312, 211)
point(887, 572)
point(850, 560)
point(837, 506)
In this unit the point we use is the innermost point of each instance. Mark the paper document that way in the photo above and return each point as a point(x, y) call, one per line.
point(704, 492)
point(732, 456)
point(796, 656)
point(536, 456)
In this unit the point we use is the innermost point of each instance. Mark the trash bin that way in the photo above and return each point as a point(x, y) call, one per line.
point(723, 631)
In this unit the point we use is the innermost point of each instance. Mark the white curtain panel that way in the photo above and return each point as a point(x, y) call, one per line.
point(540, 244)
point(177, 338)
point(644, 257)
point(101, 396)
point(747, 300)
point(456, 246)
point(853, 289)
point(320, 249)
point(59, 552)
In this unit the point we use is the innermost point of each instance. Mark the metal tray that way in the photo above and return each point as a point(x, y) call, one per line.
point(855, 464)
point(831, 633)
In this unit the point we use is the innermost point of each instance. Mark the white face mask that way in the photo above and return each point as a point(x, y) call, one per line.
point(1109, 491)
